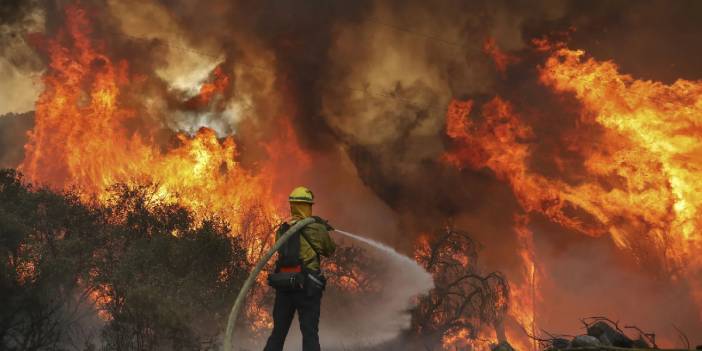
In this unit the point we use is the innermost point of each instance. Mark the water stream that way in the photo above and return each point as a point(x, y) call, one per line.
point(381, 318)
point(422, 274)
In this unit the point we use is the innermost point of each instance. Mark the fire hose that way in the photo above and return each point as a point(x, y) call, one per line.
point(252, 277)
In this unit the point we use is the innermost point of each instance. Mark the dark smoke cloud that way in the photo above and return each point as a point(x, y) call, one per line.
point(296, 35)
point(404, 63)
point(19, 64)
point(648, 39)
point(11, 10)
point(17, 19)
point(13, 136)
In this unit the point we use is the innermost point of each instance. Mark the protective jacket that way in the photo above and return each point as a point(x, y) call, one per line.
point(314, 239)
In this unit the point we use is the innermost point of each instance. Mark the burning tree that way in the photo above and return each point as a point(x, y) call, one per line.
point(350, 270)
point(165, 279)
point(158, 278)
point(465, 300)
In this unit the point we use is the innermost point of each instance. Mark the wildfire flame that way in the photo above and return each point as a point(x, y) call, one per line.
point(499, 57)
point(640, 183)
point(209, 90)
point(85, 136)
point(652, 139)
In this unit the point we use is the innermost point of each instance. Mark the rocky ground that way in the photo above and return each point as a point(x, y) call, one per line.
point(602, 334)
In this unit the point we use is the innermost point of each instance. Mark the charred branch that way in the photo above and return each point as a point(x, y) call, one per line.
point(682, 336)
point(464, 297)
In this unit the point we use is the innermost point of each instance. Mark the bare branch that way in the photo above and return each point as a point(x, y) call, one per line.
point(651, 337)
point(682, 337)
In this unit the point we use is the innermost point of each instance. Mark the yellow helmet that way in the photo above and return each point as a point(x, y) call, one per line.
point(301, 194)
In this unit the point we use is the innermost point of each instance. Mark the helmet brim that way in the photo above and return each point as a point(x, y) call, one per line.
point(300, 199)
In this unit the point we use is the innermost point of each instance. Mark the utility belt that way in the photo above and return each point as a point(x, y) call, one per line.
point(297, 278)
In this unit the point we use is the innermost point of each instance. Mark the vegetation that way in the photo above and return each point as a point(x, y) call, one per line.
point(464, 299)
point(159, 278)
point(138, 273)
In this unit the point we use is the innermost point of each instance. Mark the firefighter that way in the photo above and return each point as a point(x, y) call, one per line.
point(297, 279)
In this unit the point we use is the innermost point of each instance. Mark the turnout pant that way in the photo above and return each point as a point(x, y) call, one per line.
point(307, 307)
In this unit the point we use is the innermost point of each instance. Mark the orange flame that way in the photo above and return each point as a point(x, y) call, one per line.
point(501, 59)
point(86, 134)
point(525, 296)
point(209, 90)
point(653, 139)
point(83, 135)
point(653, 142)
point(640, 183)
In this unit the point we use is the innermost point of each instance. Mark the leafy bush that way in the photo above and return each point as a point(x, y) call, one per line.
point(160, 278)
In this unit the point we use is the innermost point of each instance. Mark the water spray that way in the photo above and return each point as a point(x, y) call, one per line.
point(414, 266)
point(384, 248)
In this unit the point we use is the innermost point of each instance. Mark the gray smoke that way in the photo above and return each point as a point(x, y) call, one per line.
point(13, 136)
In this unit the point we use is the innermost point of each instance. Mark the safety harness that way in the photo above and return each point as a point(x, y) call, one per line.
point(291, 273)
point(289, 254)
